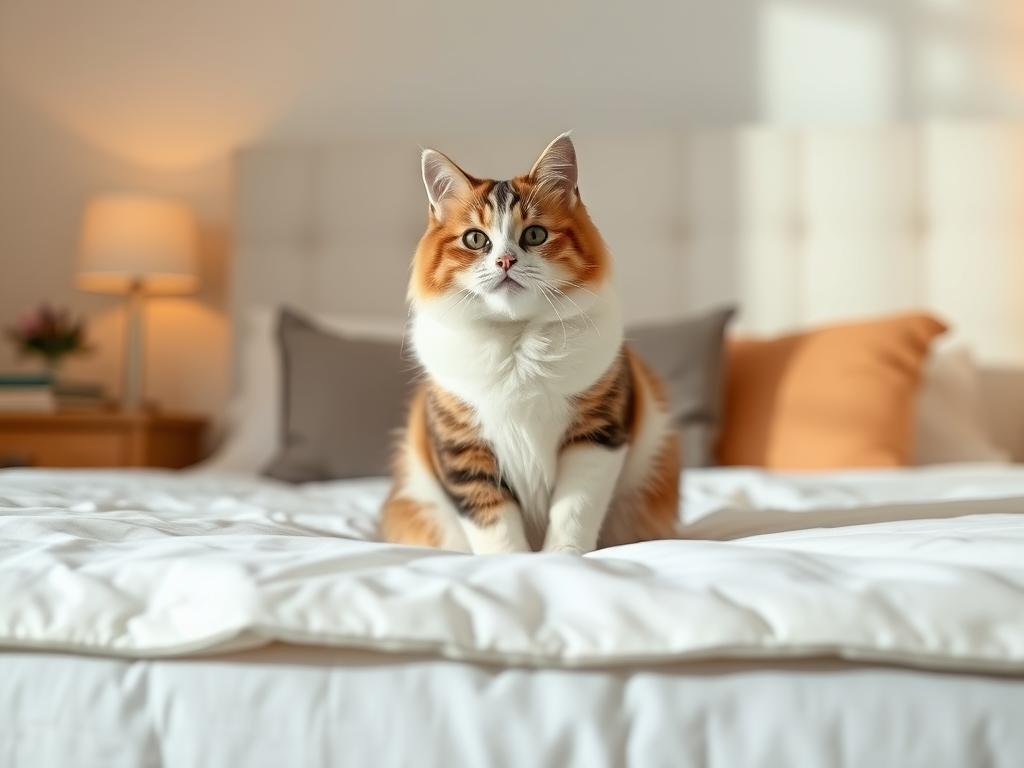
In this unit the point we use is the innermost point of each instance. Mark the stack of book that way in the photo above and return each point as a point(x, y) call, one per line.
point(37, 393)
point(27, 392)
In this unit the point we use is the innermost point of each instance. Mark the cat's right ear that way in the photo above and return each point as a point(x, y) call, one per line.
point(444, 181)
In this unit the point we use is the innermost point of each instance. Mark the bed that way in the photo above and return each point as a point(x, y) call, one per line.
point(210, 619)
point(848, 618)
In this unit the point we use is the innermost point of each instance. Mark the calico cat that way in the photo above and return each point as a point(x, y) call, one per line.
point(535, 426)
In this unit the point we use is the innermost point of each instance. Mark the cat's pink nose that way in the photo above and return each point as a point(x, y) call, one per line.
point(506, 261)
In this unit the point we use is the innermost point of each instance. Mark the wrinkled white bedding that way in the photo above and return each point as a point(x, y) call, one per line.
point(150, 564)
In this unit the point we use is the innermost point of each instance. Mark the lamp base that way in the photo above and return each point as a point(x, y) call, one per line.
point(132, 390)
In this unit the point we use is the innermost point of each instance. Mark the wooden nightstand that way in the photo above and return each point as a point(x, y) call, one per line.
point(100, 439)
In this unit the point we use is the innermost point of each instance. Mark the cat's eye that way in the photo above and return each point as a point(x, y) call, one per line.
point(534, 235)
point(475, 240)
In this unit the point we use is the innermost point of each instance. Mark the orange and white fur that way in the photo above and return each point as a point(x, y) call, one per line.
point(535, 426)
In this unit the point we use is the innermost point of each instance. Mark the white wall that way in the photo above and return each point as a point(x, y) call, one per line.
point(156, 96)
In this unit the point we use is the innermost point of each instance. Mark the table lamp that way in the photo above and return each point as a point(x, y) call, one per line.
point(137, 246)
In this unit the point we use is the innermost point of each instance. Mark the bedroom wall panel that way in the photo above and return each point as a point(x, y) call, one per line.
point(631, 186)
point(768, 254)
point(798, 226)
point(367, 217)
point(859, 207)
point(974, 238)
point(710, 221)
point(273, 233)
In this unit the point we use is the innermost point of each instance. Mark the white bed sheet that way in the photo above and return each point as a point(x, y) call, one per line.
point(310, 707)
point(150, 564)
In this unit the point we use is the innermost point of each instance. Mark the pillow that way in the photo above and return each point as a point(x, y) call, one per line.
point(951, 423)
point(1001, 392)
point(254, 416)
point(342, 401)
point(689, 355)
point(836, 397)
point(254, 422)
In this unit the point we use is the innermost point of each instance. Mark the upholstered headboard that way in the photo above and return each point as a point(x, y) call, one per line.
point(796, 226)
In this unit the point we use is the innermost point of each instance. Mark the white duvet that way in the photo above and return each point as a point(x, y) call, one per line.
point(922, 567)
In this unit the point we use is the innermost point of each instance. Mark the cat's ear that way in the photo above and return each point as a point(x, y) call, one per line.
point(443, 179)
point(556, 170)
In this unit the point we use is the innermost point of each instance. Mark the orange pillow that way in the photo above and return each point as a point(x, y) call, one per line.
point(841, 396)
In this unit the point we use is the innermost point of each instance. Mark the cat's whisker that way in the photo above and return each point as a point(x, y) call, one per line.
point(565, 333)
point(582, 311)
point(405, 331)
point(577, 285)
point(465, 294)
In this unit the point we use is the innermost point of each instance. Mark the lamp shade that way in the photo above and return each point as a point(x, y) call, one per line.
point(135, 242)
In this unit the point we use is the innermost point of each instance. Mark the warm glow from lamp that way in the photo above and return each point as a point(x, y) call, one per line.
point(142, 243)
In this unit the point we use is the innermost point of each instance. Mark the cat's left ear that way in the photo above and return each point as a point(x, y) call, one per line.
point(443, 179)
point(556, 170)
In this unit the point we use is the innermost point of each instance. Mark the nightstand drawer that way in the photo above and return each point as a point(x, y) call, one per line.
point(100, 439)
point(66, 448)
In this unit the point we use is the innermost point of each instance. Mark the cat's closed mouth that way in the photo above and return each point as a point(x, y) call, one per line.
point(508, 283)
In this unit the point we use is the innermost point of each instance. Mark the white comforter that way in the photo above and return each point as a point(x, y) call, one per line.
point(919, 567)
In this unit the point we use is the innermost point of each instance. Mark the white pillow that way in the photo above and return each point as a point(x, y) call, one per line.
point(951, 425)
point(254, 415)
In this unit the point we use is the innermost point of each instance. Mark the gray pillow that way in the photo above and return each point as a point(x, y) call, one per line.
point(689, 356)
point(343, 400)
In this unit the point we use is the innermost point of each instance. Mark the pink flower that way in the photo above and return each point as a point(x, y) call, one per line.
point(50, 332)
point(27, 325)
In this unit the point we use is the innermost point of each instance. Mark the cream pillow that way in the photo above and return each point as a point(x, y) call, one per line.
point(950, 425)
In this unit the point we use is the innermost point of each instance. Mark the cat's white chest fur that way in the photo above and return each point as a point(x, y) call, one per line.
point(520, 378)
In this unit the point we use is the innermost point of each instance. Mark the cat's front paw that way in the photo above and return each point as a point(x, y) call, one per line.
point(565, 548)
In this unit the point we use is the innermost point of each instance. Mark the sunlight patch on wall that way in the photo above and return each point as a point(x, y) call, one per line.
point(824, 65)
point(151, 128)
point(162, 135)
point(1005, 59)
point(1006, 66)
